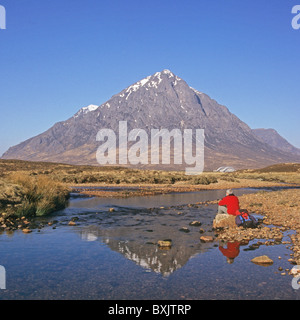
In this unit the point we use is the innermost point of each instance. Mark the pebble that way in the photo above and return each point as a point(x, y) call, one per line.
point(195, 223)
point(292, 261)
point(184, 229)
point(207, 239)
point(164, 243)
point(26, 230)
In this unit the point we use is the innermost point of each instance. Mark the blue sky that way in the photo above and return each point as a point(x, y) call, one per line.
point(59, 56)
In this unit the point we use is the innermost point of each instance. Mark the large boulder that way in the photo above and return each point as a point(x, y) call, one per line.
point(224, 220)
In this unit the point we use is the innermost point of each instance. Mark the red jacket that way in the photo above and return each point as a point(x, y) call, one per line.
point(232, 204)
point(232, 251)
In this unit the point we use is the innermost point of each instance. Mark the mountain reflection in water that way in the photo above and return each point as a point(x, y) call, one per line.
point(133, 228)
point(135, 233)
point(113, 255)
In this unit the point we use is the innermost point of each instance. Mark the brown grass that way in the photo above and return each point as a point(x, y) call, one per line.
point(40, 195)
point(148, 181)
point(96, 175)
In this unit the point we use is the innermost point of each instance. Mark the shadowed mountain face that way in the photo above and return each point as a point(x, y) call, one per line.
point(160, 101)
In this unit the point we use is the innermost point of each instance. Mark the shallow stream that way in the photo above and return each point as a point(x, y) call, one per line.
point(114, 254)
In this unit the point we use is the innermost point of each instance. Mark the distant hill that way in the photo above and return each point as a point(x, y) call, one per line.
point(162, 100)
point(281, 167)
point(274, 139)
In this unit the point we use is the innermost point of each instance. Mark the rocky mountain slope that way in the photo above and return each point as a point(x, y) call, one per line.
point(162, 100)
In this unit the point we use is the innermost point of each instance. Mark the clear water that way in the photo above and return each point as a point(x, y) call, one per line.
point(113, 255)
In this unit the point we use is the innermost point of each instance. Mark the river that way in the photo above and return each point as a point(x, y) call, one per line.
point(113, 254)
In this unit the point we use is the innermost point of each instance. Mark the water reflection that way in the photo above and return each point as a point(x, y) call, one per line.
point(170, 199)
point(137, 223)
point(231, 250)
point(134, 233)
point(95, 258)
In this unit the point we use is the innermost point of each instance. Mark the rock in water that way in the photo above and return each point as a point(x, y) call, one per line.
point(26, 230)
point(262, 260)
point(224, 220)
point(207, 239)
point(184, 229)
point(164, 243)
point(195, 223)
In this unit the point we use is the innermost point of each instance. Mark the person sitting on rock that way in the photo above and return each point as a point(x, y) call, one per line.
point(229, 204)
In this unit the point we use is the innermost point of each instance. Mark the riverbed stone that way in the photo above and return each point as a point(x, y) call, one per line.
point(184, 229)
point(262, 260)
point(195, 223)
point(164, 243)
point(207, 239)
point(26, 230)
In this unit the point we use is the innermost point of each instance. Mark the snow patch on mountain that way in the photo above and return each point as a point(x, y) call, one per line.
point(196, 91)
point(85, 110)
point(150, 82)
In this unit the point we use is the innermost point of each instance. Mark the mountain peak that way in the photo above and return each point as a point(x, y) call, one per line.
point(159, 101)
point(166, 72)
point(152, 81)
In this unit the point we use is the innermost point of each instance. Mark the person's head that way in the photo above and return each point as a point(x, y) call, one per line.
point(229, 192)
point(230, 260)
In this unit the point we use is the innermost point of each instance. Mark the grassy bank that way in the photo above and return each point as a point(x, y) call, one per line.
point(38, 188)
point(24, 195)
point(96, 175)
